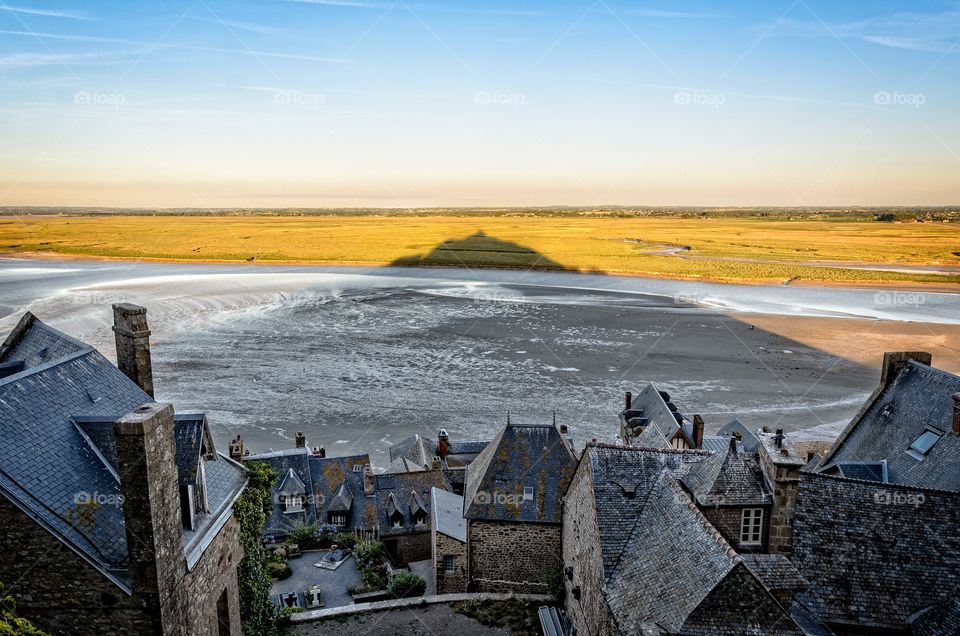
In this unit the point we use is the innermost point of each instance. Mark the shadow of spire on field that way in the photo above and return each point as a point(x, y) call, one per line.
point(482, 250)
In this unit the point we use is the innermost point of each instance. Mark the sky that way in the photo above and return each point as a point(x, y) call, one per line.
point(402, 103)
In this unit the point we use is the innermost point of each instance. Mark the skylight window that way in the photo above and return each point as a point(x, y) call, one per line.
point(925, 442)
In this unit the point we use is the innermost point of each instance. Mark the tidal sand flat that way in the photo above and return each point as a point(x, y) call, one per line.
point(359, 359)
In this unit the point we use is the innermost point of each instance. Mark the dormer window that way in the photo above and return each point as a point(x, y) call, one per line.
point(420, 518)
point(925, 442)
point(396, 519)
point(338, 518)
point(293, 503)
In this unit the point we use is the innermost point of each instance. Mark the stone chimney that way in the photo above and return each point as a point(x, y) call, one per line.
point(146, 457)
point(368, 480)
point(778, 438)
point(301, 440)
point(956, 413)
point(627, 401)
point(236, 449)
point(133, 344)
point(893, 361)
point(697, 431)
point(443, 444)
point(437, 463)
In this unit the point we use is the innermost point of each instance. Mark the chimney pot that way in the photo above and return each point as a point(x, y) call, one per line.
point(956, 413)
point(443, 444)
point(132, 339)
point(301, 440)
point(627, 401)
point(778, 438)
point(563, 429)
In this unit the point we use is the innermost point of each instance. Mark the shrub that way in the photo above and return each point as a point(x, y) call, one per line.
point(371, 561)
point(407, 585)
point(279, 570)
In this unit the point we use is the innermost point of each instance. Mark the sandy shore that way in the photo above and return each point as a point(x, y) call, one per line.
point(945, 288)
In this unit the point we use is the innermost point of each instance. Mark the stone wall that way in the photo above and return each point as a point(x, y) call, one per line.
point(583, 558)
point(407, 547)
point(63, 593)
point(786, 481)
point(513, 557)
point(56, 588)
point(728, 522)
point(448, 546)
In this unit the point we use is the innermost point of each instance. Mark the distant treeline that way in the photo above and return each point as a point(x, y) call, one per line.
point(863, 213)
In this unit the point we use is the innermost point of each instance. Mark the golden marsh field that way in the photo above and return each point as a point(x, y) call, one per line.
point(724, 249)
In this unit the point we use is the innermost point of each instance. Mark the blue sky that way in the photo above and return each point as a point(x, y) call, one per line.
point(380, 103)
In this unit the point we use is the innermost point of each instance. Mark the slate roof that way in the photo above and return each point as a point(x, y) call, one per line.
point(405, 492)
point(775, 572)
point(519, 458)
point(68, 396)
point(918, 399)
point(666, 568)
point(412, 453)
point(728, 478)
point(748, 438)
point(448, 514)
point(652, 406)
point(678, 574)
point(321, 479)
point(417, 452)
point(876, 555)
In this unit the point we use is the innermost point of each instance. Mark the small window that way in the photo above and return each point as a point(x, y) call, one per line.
point(293, 504)
point(449, 564)
point(358, 468)
point(751, 526)
point(397, 520)
point(528, 493)
point(338, 518)
point(420, 518)
point(925, 442)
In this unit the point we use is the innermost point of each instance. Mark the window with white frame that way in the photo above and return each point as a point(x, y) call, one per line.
point(449, 564)
point(293, 503)
point(751, 526)
point(338, 518)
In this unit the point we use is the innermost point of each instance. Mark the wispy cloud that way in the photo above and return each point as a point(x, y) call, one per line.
point(250, 27)
point(658, 13)
point(358, 4)
point(285, 56)
point(50, 13)
point(931, 32)
point(69, 37)
point(27, 60)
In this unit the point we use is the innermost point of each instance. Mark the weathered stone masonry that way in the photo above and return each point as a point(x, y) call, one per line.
point(512, 556)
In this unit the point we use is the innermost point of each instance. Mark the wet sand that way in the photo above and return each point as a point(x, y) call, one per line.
point(359, 361)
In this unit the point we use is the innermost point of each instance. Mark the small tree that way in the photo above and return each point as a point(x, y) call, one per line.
point(258, 615)
point(10, 623)
point(407, 585)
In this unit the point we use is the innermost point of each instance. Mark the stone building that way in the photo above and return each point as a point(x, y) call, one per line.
point(335, 493)
point(641, 558)
point(781, 462)
point(651, 420)
point(730, 490)
point(448, 533)
point(416, 453)
point(512, 504)
point(876, 518)
point(403, 509)
point(115, 513)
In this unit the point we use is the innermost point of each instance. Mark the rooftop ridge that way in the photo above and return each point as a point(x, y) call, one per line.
point(877, 484)
point(700, 452)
